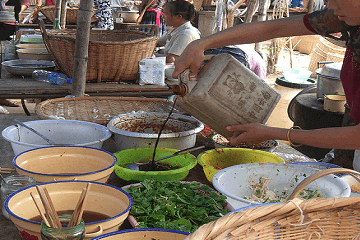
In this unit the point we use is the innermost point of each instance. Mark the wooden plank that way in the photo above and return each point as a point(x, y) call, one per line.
point(27, 88)
point(29, 85)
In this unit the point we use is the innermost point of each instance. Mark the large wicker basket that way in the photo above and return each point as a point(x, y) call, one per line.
point(99, 109)
point(113, 55)
point(305, 44)
point(71, 13)
point(319, 218)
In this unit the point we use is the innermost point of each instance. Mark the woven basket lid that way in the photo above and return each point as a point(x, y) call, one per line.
point(99, 109)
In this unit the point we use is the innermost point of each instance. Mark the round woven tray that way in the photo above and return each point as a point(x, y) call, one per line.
point(99, 109)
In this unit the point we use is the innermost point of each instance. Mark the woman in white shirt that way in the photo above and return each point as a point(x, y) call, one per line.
point(178, 14)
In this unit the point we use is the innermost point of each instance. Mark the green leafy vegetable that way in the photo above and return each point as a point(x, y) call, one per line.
point(175, 205)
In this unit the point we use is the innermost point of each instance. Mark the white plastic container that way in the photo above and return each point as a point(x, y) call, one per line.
point(226, 93)
point(62, 132)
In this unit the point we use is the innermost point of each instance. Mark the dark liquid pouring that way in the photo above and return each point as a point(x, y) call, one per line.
point(153, 166)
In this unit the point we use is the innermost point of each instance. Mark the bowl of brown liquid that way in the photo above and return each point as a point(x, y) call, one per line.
point(106, 207)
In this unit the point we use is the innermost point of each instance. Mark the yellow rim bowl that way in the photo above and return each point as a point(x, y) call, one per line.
point(214, 160)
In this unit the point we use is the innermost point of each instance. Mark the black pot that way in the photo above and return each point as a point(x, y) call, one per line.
point(307, 112)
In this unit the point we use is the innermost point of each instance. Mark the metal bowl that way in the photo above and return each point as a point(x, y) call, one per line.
point(25, 67)
point(141, 129)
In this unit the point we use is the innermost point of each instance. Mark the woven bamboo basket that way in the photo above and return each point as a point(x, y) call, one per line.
point(71, 13)
point(316, 56)
point(306, 44)
point(99, 109)
point(318, 218)
point(329, 47)
point(113, 55)
point(339, 43)
point(334, 57)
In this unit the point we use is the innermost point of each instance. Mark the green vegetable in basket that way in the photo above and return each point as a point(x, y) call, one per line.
point(175, 205)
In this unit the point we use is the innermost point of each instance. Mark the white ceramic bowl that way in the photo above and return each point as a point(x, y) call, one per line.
point(235, 182)
point(62, 132)
point(62, 163)
point(102, 199)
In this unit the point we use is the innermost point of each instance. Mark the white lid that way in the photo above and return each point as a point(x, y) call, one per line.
point(330, 70)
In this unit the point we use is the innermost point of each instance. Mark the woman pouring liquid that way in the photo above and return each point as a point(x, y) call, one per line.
point(339, 16)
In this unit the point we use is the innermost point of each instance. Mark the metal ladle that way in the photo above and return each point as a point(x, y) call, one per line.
point(34, 131)
point(135, 165)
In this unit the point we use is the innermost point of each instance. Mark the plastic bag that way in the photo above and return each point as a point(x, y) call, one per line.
point(291, 158)
point(152, 71)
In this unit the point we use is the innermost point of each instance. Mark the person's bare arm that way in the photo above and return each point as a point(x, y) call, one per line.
point(193, 54)
point(339, 137)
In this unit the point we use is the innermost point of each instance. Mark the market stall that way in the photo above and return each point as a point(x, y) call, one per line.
point(195, 174)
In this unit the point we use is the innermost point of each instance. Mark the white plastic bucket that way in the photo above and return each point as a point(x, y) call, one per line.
point(62, 132)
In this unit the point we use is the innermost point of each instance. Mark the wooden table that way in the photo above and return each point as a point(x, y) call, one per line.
point(17, 87)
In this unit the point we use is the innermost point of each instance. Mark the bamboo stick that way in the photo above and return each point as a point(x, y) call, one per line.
point(42, 213)
point(49, 213)
point(77, 208)
point(78, 219)
point(7, 169)
point(63, 14)
point(57, 220)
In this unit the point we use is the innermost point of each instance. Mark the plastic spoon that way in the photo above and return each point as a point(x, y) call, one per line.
point(34, 131)
point(135, 165)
